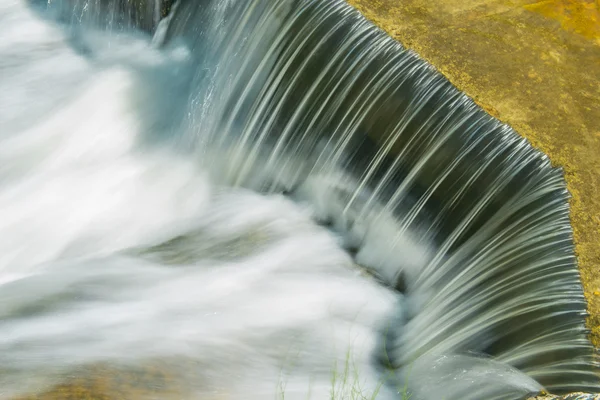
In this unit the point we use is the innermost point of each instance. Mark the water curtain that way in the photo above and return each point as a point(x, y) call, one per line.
point(433, 195)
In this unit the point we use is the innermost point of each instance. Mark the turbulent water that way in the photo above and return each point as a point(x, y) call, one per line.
point(269, 199)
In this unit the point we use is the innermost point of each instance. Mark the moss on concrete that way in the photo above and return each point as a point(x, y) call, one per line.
point(534, 65)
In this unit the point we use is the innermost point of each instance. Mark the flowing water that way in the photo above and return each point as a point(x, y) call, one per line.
point(269, 198)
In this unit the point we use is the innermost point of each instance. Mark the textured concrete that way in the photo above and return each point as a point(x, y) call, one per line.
point(534, 65)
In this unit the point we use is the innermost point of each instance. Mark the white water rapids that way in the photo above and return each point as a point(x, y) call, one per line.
point(255, 293)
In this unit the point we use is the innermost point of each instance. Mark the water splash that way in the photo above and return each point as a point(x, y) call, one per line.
point(118, 254)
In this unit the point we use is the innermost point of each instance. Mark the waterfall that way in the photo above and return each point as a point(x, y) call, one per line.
point(108, 14)
point(426, 187)
point(165, 210)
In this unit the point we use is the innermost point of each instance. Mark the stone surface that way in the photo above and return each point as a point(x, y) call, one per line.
point(534, 65)
point(101, 382)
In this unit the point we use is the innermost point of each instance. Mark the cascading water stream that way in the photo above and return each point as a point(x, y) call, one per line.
point(131, 231)
point(426, 187)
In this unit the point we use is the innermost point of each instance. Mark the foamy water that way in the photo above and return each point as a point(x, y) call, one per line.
point(116, 249)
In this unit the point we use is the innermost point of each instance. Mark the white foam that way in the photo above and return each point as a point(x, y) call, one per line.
point(84, 198)
point(381, 244)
